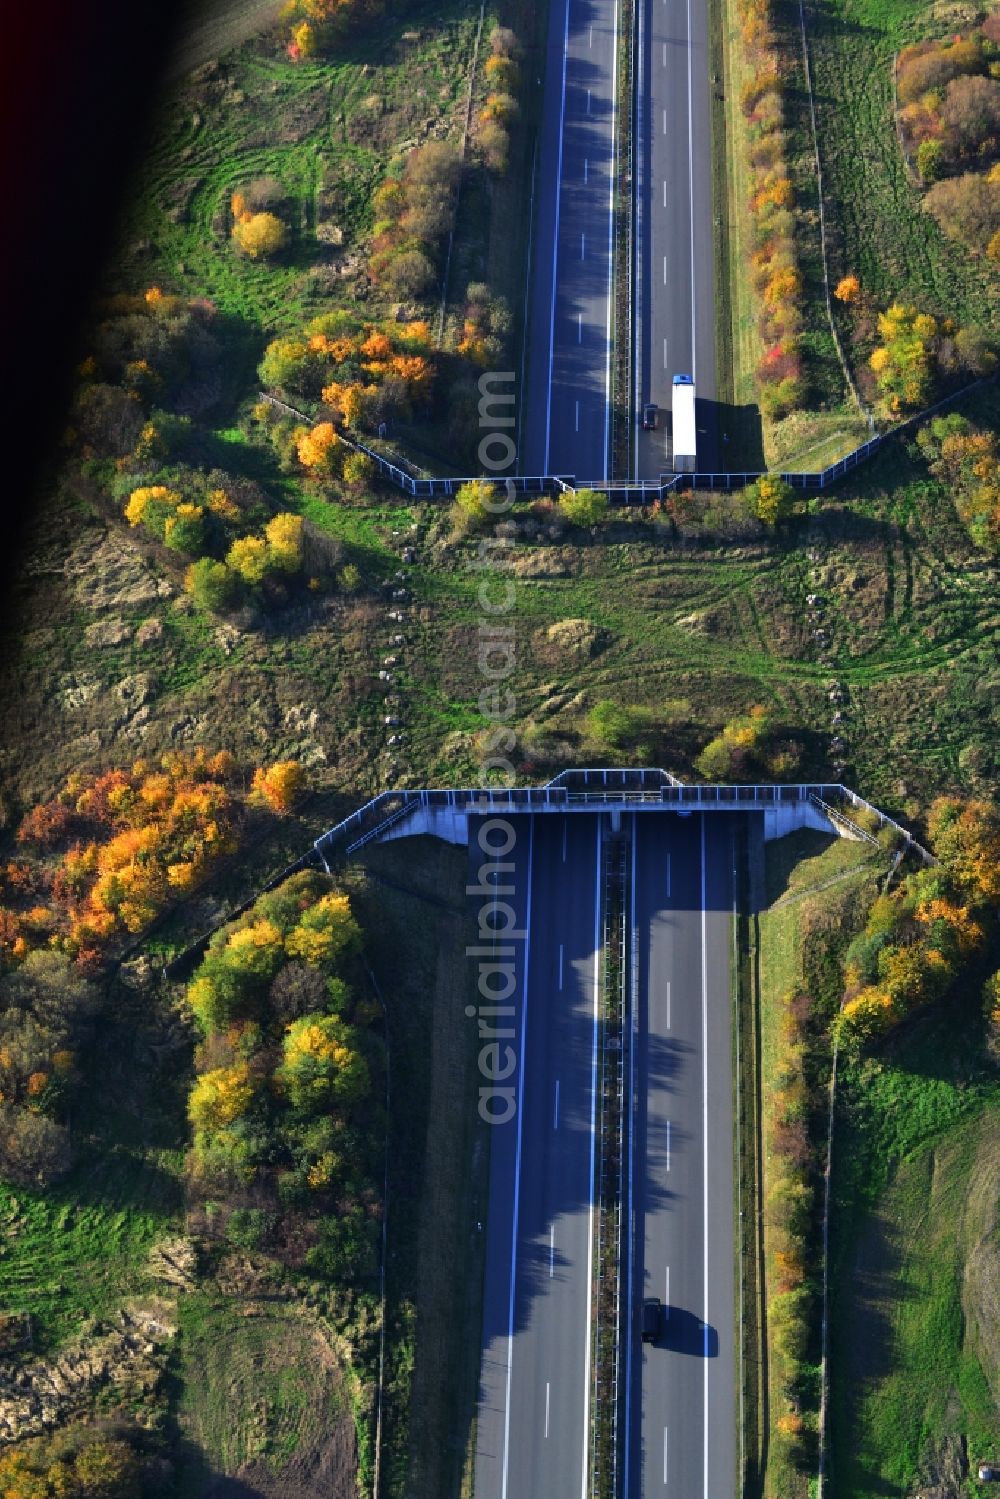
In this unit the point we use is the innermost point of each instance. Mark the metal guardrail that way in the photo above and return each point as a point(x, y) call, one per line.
point(639, 491)
point(641, 775)
point(605, 1440)
point(382, 826)
point(844, 822)
point(579, 789)
point(612, 786)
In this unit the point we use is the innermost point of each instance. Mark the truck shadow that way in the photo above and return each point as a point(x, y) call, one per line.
point(682, 1332)
point(730, 438)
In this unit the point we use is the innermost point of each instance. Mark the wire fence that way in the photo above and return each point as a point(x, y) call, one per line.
point(572, 790)
point(592, 788)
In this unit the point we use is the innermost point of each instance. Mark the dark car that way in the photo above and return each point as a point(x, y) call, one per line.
point(651, 1312)
point(650, 416)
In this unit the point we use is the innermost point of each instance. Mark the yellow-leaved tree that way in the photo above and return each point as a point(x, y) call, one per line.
point(279, 786)
point(284, 539)
point(771, 499)
point(326, 931)
point(320, 1065)
point(219, 1098)
point(259, 235)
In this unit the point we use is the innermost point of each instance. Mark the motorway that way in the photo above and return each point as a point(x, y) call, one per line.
point(566, 408)
point(675, 242)
point(534, 1407)
point(681, 1392)
point(566, 405)
point(680, 1412)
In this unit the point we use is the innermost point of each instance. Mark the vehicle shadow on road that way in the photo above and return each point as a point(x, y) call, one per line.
point(682, 1332)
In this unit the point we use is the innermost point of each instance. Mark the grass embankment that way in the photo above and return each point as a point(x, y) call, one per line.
point(206, 29)
point(414, 893)
point(272, 1374)
point(326, 131)
point(830, 426)
point(260, 1395)
point(815, 889)
point(876, 226)
point(77, 1251)
point(738, 343)
point(915, 1376)
point(909, 608)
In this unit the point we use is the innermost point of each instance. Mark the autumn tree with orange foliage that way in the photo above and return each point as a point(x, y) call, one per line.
point(917, 938)
point(82, 1464)
point(776, 278)
point(967, 460)
point(364, 373)
point(258, 235)
point(281, 785)
point(501, 109)
point(125, 843)
point(485, 326)
point(317, 24)
point(47, 1009)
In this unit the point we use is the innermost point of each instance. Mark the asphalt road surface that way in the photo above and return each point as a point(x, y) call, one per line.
point(675, 240)
point(535, 1373)
point(681, 1391)
point(566, 416)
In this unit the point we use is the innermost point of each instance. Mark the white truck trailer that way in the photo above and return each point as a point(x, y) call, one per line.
point(685, 442)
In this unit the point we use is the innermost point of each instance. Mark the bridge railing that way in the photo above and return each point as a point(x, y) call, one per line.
point(400, 473)
point(609, 787)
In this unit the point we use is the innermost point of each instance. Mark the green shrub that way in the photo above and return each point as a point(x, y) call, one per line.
point(583, 507)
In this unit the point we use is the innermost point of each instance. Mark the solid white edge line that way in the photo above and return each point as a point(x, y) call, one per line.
point(694, 357)
point(611, 241)
point(668, 1004)
point(555, 243)
point(593, 1149)
point(704, 1124)
point(546, 1409)
point(666, 1295)
point(637, 254)
point(665, 1454)
point(552, 1250)
point(517, 1164)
